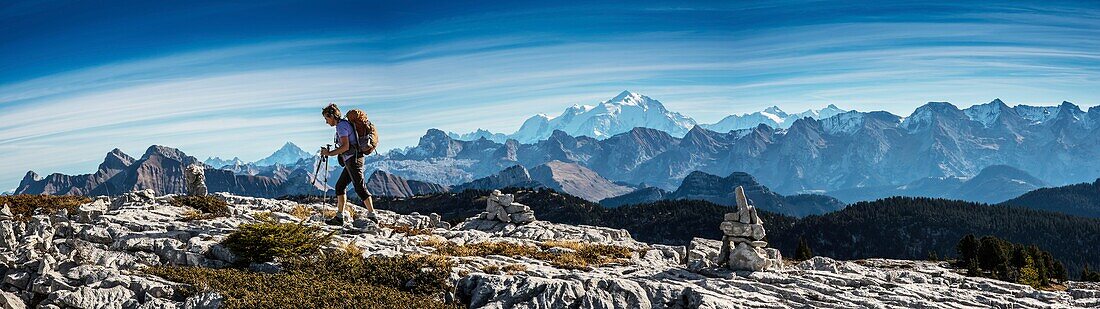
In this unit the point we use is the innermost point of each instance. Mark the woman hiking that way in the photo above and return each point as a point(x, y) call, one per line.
point(349, 132)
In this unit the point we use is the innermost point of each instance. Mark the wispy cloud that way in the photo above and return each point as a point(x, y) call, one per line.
point(494, 69)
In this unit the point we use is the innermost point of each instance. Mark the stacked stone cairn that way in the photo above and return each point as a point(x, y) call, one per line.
point(503, 207)
point(743, 247)
point(195, 176)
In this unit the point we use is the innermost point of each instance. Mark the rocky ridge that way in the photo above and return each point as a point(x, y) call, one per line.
point(93, 257)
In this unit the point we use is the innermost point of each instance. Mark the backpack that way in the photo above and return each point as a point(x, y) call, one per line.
point(371, 136)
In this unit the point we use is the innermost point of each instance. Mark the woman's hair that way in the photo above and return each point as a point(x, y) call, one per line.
point(331, 111)
point(359, 121)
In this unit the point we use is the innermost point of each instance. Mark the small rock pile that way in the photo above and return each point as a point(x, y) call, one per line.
point(743, 247)
point(502, 207)
point(195, 175)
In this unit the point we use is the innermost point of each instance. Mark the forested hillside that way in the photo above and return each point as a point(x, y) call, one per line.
point(911, 228)
point(1081, 199)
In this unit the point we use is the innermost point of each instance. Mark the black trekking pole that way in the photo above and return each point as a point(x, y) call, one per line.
point(322, 165)
point(324, 186)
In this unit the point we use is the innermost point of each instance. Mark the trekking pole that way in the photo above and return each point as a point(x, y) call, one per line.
point(322, 164)
point(324, 185)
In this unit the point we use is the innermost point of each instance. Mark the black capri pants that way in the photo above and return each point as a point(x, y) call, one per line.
point(353, 173)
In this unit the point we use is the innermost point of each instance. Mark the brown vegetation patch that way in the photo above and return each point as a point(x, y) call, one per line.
point(23, 206)
point(210, 206)
point(301, 212)
point(405, 229)
point(338, 280)
point(581, 256)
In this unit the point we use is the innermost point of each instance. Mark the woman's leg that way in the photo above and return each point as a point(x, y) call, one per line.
point(341, 191)
point(356, 170)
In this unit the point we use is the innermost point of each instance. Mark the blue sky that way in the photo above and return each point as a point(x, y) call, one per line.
point(240, 79)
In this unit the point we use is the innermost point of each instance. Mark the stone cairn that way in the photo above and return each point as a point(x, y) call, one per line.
point(743, 247)
point(195, 175)
point(503, 207)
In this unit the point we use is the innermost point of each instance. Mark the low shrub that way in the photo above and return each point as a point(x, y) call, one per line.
point(268, 239)
point(298, 289)
point(421, 274)
point(23, 206)
point(208, 205)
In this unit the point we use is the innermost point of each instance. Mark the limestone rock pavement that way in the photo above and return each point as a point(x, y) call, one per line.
point(91, 259)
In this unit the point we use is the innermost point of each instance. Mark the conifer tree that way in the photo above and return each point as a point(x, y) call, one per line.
point(1029, 275)
point(804, 252)
point(967, 248)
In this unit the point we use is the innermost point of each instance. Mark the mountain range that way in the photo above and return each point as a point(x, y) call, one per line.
point(571, 178)
point(850, 149)
point(994, 184)
point(159, 169)
point(616, 115)
point(772, 116)
point(719, 190)
point(629, 110)
point(289, 154)
point(939, 150)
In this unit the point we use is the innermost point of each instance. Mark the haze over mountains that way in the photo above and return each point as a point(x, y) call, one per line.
point(852, 149)
point(986, 153)
point(994, 184)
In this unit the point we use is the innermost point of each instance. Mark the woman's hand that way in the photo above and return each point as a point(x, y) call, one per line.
point(324, 152)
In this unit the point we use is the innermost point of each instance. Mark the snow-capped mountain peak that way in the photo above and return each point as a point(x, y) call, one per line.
point(772, 116)
point(987, 113)
point(627, 98)
point(218, 162)
point(616, 115)
point(288, 154)
point(774, 110)
point(925, 115)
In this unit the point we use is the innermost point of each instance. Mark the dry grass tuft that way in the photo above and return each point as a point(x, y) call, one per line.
point(583, 257)
point(301, 212)
point(194, 214)
point(23, 206)
point(328, 213)
point(209, 205)
point(351, 249)
point(490, 269)
point(514, 268)
point(407, 230)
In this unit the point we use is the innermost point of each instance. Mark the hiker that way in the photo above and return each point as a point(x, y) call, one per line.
point(349, 153)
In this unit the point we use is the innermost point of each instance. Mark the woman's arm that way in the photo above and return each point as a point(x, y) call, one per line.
point(343, 147)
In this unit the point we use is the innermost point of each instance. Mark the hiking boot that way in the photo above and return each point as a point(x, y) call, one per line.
point(337, 220)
